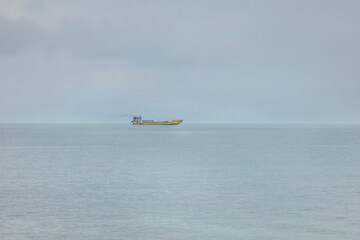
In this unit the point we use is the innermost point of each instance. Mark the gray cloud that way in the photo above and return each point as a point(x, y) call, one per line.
point(16, 35)
point(215, 61)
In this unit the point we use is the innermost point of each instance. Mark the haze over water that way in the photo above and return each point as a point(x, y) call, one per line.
point(179, 182)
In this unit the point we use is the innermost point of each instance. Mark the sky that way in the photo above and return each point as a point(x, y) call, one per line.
point(241, 61)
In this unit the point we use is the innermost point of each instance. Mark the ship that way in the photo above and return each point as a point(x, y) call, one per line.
point(137, 120)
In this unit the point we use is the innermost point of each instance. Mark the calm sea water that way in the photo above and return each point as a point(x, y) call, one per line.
point(179, 182)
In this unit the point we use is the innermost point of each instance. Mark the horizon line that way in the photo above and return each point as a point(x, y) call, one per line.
point(186, 123)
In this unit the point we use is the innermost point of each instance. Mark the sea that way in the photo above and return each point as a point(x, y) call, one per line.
point(190, 181)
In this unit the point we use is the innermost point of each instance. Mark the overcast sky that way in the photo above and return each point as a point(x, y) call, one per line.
point(260, 61)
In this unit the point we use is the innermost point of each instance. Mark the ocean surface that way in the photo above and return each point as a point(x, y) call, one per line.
point(203, 182)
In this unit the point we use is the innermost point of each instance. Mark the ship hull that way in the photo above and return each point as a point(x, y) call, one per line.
point(173, 122)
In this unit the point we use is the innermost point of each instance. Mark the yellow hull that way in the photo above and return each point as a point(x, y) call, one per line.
point(173, 122)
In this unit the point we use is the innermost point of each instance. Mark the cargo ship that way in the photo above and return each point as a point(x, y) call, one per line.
point(137, 120)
